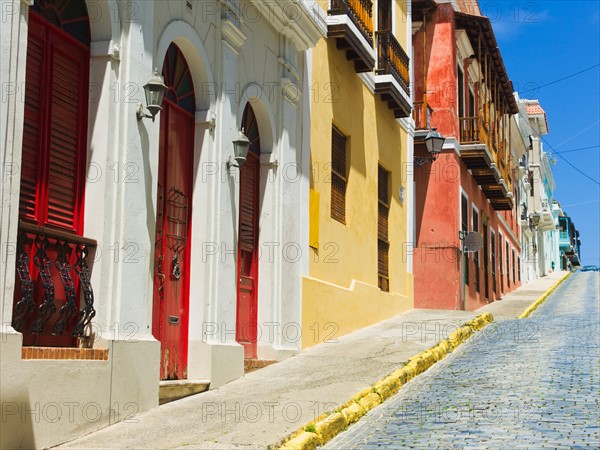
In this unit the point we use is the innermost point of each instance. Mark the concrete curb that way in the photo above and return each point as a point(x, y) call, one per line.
point(543, 298)
point(326, 427)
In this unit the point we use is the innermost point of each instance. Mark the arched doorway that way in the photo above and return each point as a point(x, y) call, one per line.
point(173, 217)
point(53, 163)
point(247, 292)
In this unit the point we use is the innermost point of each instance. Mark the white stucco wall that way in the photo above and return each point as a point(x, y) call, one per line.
point(234, 58)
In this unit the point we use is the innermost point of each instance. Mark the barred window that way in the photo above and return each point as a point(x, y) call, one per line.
point(339, 178)
point(383, 244)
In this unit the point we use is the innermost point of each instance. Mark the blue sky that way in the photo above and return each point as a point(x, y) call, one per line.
point(542, 42)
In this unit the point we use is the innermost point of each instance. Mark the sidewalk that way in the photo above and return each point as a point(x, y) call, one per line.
point(264, 406)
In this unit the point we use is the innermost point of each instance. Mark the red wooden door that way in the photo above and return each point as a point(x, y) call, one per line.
point(171, 281)
point(173, 220)
point(247, 295)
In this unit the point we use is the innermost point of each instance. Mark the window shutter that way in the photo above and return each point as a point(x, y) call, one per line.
point(30, 162)
point(338, 175)
point(248, 210)
point(66, 146)
point(54, 135)
point(464, 205)
point(383, 245)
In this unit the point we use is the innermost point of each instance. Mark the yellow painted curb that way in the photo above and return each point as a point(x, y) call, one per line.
point(325, 428)
point(543, 298)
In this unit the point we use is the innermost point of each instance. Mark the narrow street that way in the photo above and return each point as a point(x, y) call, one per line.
point(530, 383)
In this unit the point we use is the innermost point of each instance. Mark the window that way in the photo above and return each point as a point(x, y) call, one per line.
point(464, 211)
point(54, 153)
point(476, 254)
point(339, 179)
point(500, 262)
point(513, 266)
point(471, 104)
point(493, 257)
point(55, 123)
point(519, 268)
point(461, 95)
point(383, 244)
point(384, 16)
point(507, 266)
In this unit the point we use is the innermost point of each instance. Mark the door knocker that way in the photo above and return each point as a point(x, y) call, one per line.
point(176, 268)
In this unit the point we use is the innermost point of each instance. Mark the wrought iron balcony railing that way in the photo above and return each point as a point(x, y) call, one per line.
point(53, 267)
point(392, 59)
point(359, 11)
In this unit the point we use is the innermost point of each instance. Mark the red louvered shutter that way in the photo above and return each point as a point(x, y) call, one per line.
point(54, 142)
point(32, 135)
point(66, 146)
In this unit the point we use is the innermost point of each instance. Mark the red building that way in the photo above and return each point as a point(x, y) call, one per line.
point(462, 89)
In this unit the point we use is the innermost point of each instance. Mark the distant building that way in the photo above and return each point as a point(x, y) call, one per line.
point(538, 221)
point(569, 242)
point(463, 90)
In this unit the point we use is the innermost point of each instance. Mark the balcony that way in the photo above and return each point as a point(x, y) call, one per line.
point(54, 269)
point(476, 154)
point(546, 218)
point(391, 76)
point(422, 115)
point(350, 23)
point(564, 240)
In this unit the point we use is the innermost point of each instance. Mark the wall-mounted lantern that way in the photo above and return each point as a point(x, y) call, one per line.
point(155, 90)
point(434, 142)
point(534, 220)
point(241, 145)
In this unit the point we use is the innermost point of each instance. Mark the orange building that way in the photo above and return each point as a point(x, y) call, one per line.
point(462, 89)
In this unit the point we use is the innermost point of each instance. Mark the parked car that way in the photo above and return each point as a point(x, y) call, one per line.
point(589, 269)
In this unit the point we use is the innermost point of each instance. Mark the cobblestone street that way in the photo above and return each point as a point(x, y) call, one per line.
point(529, 383)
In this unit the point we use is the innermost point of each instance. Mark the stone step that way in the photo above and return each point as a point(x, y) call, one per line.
point(250, 365)
point(171, 390)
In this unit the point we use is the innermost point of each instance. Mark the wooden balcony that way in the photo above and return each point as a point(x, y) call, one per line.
point(350, 23)
point(391, 76)
point(479, 153)
point(422, 115)
point(469, 130)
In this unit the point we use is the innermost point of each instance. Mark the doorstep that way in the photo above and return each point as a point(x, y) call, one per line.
point(171, 390)
point(250, 365)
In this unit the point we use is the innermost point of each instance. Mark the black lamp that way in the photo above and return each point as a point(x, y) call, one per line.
point(434, 142)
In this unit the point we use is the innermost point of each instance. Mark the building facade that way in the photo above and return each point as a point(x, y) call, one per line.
point(462, 89)
point(360, 188)
point(540, 240)
point(134, 253)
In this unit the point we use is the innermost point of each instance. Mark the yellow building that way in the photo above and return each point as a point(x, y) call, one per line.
point(360, 188)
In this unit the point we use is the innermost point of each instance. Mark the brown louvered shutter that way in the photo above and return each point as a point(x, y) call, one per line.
point(338, 175)
point(464, 206)
point(32, 137)
point(383, 245)
point(250, 172)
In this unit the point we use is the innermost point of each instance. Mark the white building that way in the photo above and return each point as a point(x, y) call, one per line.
point(195, 263)
point(539, 240)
